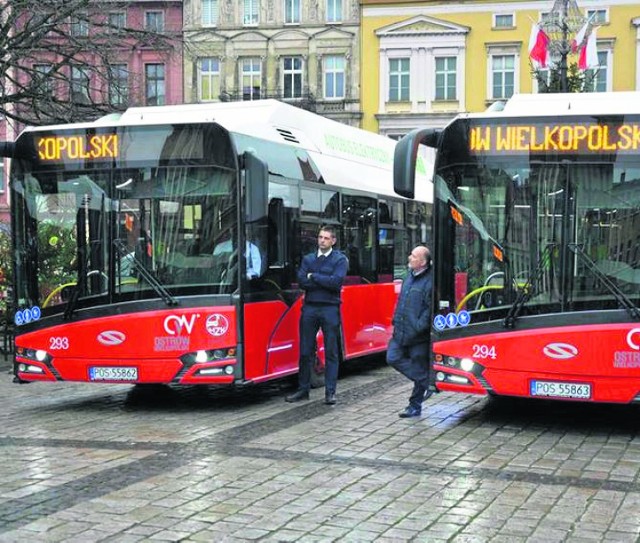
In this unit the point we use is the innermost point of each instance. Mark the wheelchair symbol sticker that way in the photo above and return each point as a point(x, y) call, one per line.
point(439, 322)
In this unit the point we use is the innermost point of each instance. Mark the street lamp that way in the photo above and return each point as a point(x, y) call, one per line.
point(561, 24)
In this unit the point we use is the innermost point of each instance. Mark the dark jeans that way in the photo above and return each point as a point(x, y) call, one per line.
point(413, 363)
point(315, 317)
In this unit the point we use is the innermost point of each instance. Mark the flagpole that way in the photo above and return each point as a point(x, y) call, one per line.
point(562, 21)
point(564, 49)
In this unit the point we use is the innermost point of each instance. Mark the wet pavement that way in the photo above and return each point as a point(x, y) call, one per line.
point(118, 463)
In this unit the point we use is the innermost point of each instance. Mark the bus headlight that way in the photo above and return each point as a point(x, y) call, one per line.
point(29, 368)
point(212, 355)
point(39, 355)
point(465, 364)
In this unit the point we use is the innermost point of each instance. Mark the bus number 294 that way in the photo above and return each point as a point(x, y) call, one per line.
point(484, 351)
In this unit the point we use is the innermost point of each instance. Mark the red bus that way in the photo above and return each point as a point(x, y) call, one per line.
point(537, 247)
point(127, 230)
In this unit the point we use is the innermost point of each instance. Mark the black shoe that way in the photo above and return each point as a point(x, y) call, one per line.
point(427, 395)
point(330, 398)
point(410, 412)
point(297, 396)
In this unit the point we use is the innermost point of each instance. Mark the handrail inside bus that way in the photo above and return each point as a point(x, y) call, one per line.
point(475, 292)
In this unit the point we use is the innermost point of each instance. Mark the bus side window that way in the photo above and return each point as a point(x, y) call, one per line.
point(360, 237)
point(280, 257)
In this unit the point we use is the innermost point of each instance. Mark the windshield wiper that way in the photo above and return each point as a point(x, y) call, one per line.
point(145, 273)
point(620, 296)
point(75, 295)
point(80, 285)
point(527, 290)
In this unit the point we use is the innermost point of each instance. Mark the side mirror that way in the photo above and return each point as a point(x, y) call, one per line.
point(256, 187)
point(405, 156)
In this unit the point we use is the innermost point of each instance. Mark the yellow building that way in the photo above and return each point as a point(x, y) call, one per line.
point(425, 61)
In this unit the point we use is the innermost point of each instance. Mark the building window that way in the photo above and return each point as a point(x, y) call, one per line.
point(154, 21)
point(399, 79)
point(154, 84)
point(598, 16)
point(334, 77)
point(250, 12)
point(291, 11)
point(209, 79)
point(209, 12)
point(80, 79)
point(80, 26)
point(118, 84)
point(117, 20)
point(42, 78)
point(292, 77)
point(334, 11)
point(446, 77)
point(502, 76)
point(596, 78)
point(504, 20)
point(251, 78)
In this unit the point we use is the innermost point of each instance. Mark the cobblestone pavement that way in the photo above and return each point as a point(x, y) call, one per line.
point(119, 463)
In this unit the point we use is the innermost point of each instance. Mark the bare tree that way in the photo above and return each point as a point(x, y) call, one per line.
point(66, 60)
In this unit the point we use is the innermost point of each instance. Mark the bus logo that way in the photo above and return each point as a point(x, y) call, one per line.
point(217, 325)
point(175, 324)
point(111, 337)
point(630, 340)
point(560, 351)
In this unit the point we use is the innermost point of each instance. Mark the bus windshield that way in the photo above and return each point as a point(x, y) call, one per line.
point(161, 217)
point(557, 229)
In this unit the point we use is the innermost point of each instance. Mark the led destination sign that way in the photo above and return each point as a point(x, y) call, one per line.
point(77, 147)
point(555, 138)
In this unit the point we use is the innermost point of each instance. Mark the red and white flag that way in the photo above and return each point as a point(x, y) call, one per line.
point(538, 45)
point(589, 53)
point(576, 42)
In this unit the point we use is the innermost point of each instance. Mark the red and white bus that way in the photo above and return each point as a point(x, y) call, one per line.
point(127, 231)
point(537, 247)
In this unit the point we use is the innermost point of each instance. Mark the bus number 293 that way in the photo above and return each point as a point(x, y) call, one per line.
point(484, 351)
point(58, 343)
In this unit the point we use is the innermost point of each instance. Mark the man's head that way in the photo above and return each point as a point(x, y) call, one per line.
point(326, 238)
point(419, 258)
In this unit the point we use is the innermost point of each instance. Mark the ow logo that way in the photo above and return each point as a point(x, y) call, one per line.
point(175, 324)
point(630, 340)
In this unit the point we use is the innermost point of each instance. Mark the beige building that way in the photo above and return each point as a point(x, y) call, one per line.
point(302, 51)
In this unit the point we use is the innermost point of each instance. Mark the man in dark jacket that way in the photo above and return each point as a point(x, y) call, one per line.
point(321, 275)
point(408, 349)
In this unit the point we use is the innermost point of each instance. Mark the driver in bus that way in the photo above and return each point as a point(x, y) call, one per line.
point(252, 256)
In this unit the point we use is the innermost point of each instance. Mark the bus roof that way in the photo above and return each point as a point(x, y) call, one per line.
point(589, 103)
point(334, 146)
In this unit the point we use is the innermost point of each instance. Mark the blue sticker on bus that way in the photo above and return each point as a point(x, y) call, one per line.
point(452, 320)
point(464, 318)
point(439, 322)
point(27, 315)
